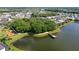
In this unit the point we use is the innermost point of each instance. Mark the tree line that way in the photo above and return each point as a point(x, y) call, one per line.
point(33, 25)
point(47, 13)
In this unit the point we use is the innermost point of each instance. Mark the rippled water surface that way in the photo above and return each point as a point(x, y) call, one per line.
point(67, 40)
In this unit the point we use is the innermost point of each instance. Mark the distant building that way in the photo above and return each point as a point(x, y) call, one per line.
point(58, 17)
point(20, 15)
point(5, 18)
point(76, 19)
point(42, 11)
point(23, 15)
point(49, 17)
point(75, 16)
point(28, 15)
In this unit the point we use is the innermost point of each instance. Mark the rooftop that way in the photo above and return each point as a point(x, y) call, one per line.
point(1, 46)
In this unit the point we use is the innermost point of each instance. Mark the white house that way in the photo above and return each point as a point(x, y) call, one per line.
point(5, 18)
point(42, 11)
point(28, 15)
point(23, 15)
point(20, 15)
point(49, 17)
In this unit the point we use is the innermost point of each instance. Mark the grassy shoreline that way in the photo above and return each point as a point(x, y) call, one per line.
point(21, 35)
point(54, 31)
point(15, 38)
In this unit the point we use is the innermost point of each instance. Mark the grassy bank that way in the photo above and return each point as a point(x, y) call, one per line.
point(46, 33)
point(54, 31)
point(11, 46)
point(18, 36)
point(21, 35)
point(65, 24)
point(40, 35)
point(15, 38)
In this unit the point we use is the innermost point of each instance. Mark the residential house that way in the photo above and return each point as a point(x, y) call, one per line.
point(28, 15)
point(20, 15)
point(2, 47)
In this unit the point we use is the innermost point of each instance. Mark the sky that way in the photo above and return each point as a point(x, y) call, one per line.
point(39, 3)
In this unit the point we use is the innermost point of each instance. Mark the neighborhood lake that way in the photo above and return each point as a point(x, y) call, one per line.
point(67, 40)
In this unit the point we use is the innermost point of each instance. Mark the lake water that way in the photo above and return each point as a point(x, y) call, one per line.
point(67, 40)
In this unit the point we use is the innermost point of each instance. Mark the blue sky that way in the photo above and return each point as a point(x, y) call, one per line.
point(39, 3)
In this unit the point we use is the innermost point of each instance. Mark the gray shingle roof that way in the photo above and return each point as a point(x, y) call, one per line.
point(1, 46)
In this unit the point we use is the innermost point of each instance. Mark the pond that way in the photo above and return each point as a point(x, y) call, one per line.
point(67, 40)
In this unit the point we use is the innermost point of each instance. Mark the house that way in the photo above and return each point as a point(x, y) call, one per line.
point(2, 47)
point(59, 19)
point(28, 15)
point(20, 15)
point(5, 18)
point(49, 17)
point(23, 15)
point(76, 19)
point(42, 11)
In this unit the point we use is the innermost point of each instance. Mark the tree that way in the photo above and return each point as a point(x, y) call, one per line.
point(33, 25)
point(47, 13)
point(50, 25)
point(36, 27)
point(20, 26)
point(44, 28)
point(2, 37)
